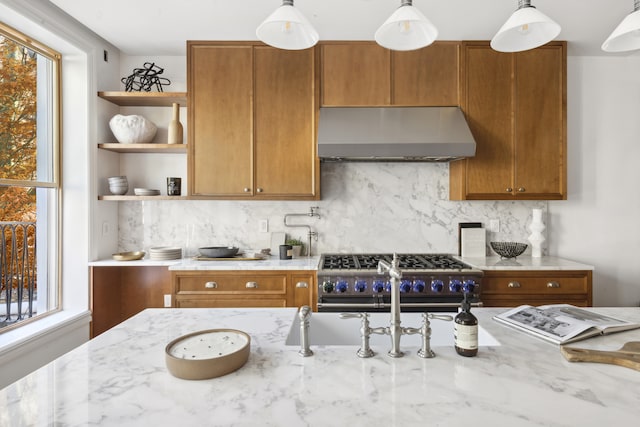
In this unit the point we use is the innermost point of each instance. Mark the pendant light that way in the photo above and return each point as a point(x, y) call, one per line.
point(626, 36)
point(406, 29)
point(527, 28)
point(287, 28)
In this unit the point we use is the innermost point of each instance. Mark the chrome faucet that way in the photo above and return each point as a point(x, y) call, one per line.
point(394, 329)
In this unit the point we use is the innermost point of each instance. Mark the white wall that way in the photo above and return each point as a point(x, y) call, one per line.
point(598, 224)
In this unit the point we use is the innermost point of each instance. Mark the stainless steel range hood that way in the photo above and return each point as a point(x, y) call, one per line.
point(409, 134)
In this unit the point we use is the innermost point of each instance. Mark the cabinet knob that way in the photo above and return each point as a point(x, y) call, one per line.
point(521, 190)
point(246, 189)
point(259, 190)
point(513, 284)
point(302, 285)
point(509, 190)
point(211, 285)
point(553, 285)
point(251, 285)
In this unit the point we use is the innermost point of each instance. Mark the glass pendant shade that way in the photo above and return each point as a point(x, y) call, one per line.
point(287, 28)
point(406, 29)
point(626, 36)
point(527, 28)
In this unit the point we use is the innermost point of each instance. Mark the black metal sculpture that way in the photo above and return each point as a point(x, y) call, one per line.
point(146, 78)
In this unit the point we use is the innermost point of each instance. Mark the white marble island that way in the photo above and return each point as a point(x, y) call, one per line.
point(120, 379)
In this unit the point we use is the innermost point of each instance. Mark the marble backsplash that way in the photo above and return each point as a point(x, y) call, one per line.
point(365, 207)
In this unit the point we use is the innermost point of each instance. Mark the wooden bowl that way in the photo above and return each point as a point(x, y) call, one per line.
point(207, 354)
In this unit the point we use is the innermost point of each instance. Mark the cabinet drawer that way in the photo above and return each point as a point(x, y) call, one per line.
point(231, 284)
point(554, 284)
point(226, 302)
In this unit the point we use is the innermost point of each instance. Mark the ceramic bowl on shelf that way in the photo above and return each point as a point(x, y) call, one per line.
point(134, 129)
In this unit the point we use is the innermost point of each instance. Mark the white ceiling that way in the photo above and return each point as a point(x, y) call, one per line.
point(161, 27)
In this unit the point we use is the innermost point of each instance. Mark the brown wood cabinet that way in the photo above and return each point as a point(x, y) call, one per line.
point(243, 288)
point(252, 121)
point(513, 288)
point(118, 293)
point(366, 74)
point(515, 104)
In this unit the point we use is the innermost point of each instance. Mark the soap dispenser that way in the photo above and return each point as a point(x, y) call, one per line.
point(465, 330)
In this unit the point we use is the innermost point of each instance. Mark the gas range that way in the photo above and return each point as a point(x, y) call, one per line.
point(430, 282)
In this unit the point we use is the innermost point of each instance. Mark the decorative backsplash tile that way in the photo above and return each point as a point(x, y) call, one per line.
point(365, 207)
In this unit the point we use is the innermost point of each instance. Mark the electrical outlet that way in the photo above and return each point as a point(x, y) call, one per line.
point(264, 225)
point(105, 228)
point(494, 225)
point(167, 300)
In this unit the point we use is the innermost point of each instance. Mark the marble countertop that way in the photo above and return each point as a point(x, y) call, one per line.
point(524, 263)
point(271, 263)
point(311, 263)
point(120, 378)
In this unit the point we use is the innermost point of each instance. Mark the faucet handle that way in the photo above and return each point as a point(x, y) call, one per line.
point(353, 315)
point(437, 316)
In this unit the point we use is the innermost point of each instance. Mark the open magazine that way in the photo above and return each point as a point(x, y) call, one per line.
point(562, 323)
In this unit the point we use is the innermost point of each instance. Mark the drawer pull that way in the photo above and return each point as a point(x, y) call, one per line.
point(211, 285)
point(513, 284)
point(302, 285)
point(553, 285)
point(251, 285)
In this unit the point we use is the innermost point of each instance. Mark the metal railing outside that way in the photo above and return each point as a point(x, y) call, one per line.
point(18, 290)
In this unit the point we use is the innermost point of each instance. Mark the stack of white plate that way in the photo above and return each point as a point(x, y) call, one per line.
point(162, 253)
point(146, 192)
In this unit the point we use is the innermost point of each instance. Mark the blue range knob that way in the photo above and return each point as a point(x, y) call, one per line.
point(437, 285)
point(418, 286)
point(405, 286)
point(327, 286)
point(468, 286)
point(455, 285)
point(378, 286)
point(342, 286)
point(360, 285)
point(387, 286)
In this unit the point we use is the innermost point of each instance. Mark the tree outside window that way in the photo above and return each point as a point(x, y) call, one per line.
point(28, 178)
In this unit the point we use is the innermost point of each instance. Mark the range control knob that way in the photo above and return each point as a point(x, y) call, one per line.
point(387, 286)
point(378, 286)
point(327, 286)
point(468, 286)
point(437, 285)
point(405, 286)
point(342, 286)
point(455, 285)
point(418, 286)
point(360, 285)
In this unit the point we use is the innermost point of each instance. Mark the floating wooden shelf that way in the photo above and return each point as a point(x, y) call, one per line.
point(144, 148)
point(144, 99)
point(134, 198)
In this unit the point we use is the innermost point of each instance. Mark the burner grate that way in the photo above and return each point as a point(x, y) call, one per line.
point(406, 261)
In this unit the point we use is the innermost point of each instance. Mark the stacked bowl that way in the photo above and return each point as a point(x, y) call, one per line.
point(118, 185)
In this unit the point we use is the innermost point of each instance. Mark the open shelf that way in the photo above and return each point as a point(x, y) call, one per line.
point(144, 99)
point(144, 148)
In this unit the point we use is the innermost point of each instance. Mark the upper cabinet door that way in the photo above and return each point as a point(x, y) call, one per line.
point(285, 105)
point(220, 120)
point(355, 74)
point(427, 76)
point(540, 115)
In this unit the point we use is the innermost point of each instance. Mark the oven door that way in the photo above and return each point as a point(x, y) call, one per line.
point(382, 303)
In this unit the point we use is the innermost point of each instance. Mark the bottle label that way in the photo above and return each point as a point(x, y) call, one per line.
point(466, 336)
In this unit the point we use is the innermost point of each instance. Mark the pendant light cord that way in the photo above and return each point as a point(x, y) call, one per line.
point(527, 3)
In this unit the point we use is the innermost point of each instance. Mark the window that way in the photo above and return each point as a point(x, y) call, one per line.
point(29, 178)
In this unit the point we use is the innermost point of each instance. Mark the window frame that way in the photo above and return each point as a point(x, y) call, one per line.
point(54, 225)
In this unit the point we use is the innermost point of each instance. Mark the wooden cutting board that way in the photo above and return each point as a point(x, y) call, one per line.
point(628, 356)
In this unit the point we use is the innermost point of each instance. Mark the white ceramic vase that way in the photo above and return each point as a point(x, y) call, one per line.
point(536, 238)
point(175, 127)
